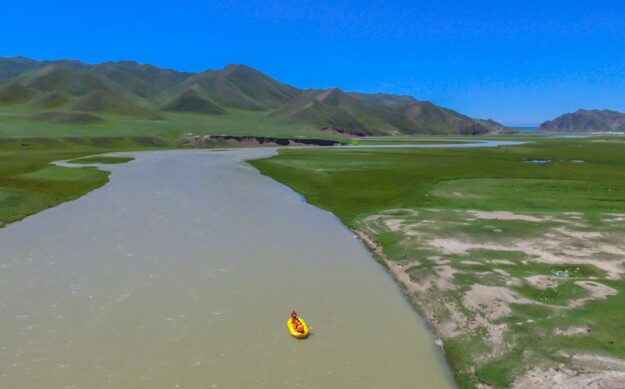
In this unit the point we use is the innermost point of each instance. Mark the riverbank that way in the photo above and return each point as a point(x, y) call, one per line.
point(517, 266)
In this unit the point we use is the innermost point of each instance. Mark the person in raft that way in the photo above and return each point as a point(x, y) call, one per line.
point(296, 323)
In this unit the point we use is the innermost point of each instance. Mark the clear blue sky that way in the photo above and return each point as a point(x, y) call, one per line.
point(514, 61)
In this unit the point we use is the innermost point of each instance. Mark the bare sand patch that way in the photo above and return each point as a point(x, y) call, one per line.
point(502, 272)
point(578, 234)
point(450, 246)
point(537, 249)
point(504, 215)
point(615, 218)
point(514, 282)
point(493, 301)
point(445, 279)
point(595, 290)
point(545, 251)
point(455, 325)
point(598, 362)
point(612, 249)
point(455, 195)
point(502, 262)
point(588, 371)
point(570, 379)
point(394, 224)
point(542, 282)
point(572, 331)
point(400, 272)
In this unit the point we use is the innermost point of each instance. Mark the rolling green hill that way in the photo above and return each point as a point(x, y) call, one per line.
point(75, 93)
point(192, 101)
point(374, 114)
point(325, 108)
point(11, 67)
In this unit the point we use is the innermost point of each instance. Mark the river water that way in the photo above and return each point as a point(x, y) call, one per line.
point(182, 271)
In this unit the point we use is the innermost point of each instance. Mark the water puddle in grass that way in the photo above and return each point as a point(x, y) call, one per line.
point(473, 144)
point(537, 161)
point(544, 161)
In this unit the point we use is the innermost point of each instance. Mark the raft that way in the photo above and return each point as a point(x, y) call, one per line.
point(295, 333)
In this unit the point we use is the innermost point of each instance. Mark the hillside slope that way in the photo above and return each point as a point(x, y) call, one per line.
point(585, 120)
point(374, 114)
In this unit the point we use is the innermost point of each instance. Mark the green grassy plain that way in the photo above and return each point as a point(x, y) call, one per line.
point(407, 200)
point(17, 122)
point(101, 159)
point(356, 183)
point(406, 140)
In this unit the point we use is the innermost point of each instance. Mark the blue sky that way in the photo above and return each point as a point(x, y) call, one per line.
point(520, 62)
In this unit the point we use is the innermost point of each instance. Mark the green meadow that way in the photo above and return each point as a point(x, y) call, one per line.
point(356, 183)
point(18, 122)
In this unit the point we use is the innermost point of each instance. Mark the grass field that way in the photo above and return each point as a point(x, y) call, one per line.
point(407, 140)
point(105, 160)
point(517, 265)
point(171, 126)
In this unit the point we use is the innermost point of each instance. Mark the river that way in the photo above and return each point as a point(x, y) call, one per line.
point(182, 271)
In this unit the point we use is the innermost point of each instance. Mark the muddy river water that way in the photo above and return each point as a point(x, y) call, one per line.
point(182, 271)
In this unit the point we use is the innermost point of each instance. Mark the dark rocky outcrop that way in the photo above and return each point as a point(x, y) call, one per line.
point(199, 141)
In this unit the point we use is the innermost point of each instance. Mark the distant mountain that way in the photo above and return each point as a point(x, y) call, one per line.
point(328, 108)
point(374, 114)
point(11, 67)
point(584, 120)
point(495, 127)
point(424, 117)
point(192, 102)
point(238, 87)
point(385, 99)
point(75, 92)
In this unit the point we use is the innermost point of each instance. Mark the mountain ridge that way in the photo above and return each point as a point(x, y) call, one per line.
point(587, 120)
point(74, 89)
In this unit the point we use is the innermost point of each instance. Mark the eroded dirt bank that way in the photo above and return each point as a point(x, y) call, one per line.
point(206, 141)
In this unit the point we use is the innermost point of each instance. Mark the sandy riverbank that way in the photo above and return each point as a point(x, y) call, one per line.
point(455, 309)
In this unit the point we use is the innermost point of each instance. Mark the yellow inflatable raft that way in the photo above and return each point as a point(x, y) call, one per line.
point(296, 333)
